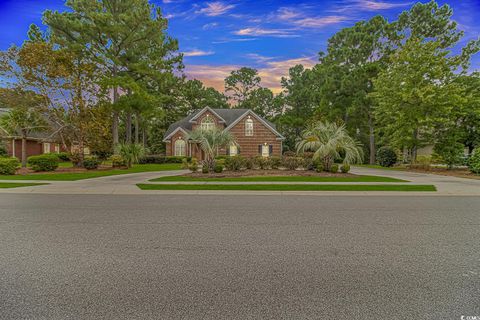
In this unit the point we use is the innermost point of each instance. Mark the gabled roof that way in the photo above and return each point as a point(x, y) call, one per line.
point(229, 116)
point(36, 135)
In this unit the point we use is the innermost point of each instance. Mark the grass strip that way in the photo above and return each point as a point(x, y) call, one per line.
point(289, 187)
point(74, 176)
point(359, 178)
point(8, 185)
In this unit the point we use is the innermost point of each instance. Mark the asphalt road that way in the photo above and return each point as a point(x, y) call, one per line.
point(243, 257)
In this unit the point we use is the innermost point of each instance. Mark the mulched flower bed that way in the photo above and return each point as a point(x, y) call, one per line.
point(256, 173)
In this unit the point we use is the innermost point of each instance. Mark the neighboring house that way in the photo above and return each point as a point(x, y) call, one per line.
point(37, 143)
point(254, 135)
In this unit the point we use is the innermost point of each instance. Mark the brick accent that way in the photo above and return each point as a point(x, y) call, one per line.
point(261, 134)
point(208, 114)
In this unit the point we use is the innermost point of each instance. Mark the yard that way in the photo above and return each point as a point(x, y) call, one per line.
point(66, 173)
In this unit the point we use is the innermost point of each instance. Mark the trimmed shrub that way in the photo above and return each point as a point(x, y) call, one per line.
point(345, 168)
point(8, 165)
point(292, 163)
point(159, 159)
point(91, 163)
point(250, 163)
point(205, 168)
point(44, 162)
point(386, 157)
point(422, 163)
point(193, 165)
point(474, 162)
point(220, 161)
point(308, 164)
point(263, 162)
point(118, 161)
point(218, 168)
point(319, 167)
point(275, 162)
point(289, 154)
point(63, 156)
point(334, 168)
point(3, 150)
point(235, 163)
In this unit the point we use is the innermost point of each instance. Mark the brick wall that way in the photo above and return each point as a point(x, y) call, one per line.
point(261, 135)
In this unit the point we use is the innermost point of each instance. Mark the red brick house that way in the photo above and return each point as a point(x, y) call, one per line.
point(255, 136)
point(37, 143)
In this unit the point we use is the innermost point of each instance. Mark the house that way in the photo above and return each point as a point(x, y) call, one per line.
point(37, 143)
point(254, 135)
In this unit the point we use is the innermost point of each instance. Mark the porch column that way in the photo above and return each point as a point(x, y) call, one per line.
point(13, 148)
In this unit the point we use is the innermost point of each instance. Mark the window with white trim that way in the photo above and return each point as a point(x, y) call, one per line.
point(265, 150)
point(249, 127)
point(207, 123)
point(233, 150)
point(180, 148)
point(46, 147)
point(57, 148)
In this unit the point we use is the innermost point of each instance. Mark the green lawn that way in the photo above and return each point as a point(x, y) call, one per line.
point(7, 185)
point(359, 178)
point(288, 187)
point(66, 176)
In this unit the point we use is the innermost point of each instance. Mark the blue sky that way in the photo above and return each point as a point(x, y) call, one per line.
point(220, 36)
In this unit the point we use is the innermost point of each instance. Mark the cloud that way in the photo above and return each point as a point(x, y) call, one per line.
point(228, 40)
point(319, 22)
point(257, 31)
point(300, 18)
point(271, 72)
point(209, 26)
point(258, 58)
point(371, 5)
point(197, 53)
point(216, 8)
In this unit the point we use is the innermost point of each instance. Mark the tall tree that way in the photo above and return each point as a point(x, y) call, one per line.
point(126, 39)
point(241, 83)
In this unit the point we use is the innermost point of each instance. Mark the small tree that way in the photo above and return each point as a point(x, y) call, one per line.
point(130, 152)
point(330, 141)
point(210, 142)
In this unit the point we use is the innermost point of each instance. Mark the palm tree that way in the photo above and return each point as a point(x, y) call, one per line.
point(210, 141)
point(329, 141)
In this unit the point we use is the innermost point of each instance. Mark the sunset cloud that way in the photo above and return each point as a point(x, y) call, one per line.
point(197, 53)
point(271, 72)
point(216, 8)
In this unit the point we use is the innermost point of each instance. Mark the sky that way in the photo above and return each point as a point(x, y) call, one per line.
point(217, 37)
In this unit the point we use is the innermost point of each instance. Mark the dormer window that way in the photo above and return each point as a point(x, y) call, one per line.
point(249, 127)
point(207, 123)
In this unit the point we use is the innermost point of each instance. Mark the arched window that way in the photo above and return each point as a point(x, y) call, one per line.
point(249, 127)
point(207, 123)
point(180, 149)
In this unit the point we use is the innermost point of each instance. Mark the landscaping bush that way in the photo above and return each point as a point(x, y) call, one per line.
point(218, 168)
point(345, 168)
point(91, 163)
point(319, 167)
point(193, 165)
point(291, 163)
point(386, 157)
point(289, 154)
point(474, 162)
point(63, 156)
point(308, 164)
point(250, 163)
point(422, 163)
point(159, 159)
point(118, 161)
point(3, 150)
point(8, 165)
point(275, 162)
point(44, 162)
point(263, 162)
point(451, 153)
point(235, 163)
point(334, 168)
point(131, 152)
point(205, 168)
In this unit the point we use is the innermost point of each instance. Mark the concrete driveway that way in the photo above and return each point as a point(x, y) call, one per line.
point(126, 184)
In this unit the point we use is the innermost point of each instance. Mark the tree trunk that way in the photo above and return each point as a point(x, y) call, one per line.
point(371, 128)
point(144, 136)
point(415, 147)
point(24, 150)
point(137, 129)
point(129, 127)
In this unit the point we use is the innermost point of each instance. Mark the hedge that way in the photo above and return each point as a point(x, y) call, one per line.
point(8, 165)
point(44, 162)
point(162, 159)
